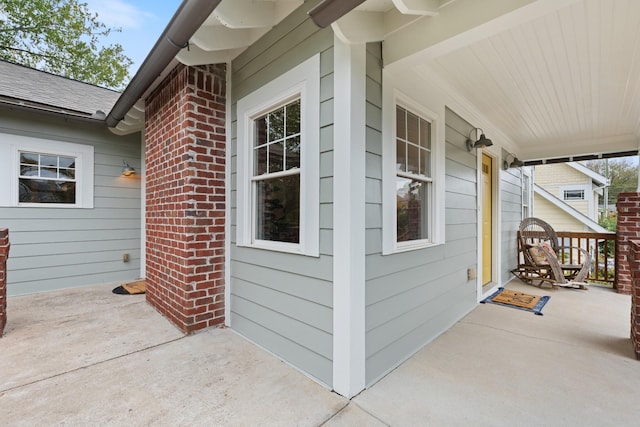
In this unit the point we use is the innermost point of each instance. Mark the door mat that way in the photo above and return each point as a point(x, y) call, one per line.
point(132, 288)
point(519, 300)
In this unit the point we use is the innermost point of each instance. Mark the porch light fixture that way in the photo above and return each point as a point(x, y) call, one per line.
point(127, 170)
point(481, 142)
point(511, 161)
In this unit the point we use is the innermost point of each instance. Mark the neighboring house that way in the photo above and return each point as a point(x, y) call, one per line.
point(567, 196)
point(70, 212)
point(315, 185)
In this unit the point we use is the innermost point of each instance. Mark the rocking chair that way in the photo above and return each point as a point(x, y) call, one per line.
point(540, 258)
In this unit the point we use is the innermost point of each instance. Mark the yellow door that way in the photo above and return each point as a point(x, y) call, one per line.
point(487, 220)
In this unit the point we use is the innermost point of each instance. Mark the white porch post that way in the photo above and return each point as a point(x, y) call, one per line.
point(348, 218)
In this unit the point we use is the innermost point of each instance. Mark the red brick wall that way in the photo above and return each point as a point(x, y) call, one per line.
point(634, 258)
point(628, 228)
point(185, 196)
point(4, 254)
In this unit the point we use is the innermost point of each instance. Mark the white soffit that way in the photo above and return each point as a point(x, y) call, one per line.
point(232, 27)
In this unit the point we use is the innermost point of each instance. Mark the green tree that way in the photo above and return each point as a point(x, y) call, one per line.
point(622, 174)
point(62, 37)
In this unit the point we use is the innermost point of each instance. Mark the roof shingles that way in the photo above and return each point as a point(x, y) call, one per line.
point(56, 93)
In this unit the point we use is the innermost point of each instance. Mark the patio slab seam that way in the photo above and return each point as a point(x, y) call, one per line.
point(60, 374)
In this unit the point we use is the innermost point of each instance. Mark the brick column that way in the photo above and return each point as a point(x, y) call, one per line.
point(4, 254)
point(185, 196)
point(628, 228)
point(634, 258)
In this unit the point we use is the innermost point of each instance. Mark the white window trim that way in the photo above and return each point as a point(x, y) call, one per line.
point(10, 169)
point(390, 245)
point(304, 81)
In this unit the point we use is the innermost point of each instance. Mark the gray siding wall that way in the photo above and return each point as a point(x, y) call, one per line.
point(64, 248)
point(414, 296)
point(510, 217)
point(281, 301)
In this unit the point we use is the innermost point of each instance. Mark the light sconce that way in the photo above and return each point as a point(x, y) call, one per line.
point(127, 170)
point(511, 161)
point(481, 142)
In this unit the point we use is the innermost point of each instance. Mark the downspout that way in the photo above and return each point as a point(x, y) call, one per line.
point(190, 15)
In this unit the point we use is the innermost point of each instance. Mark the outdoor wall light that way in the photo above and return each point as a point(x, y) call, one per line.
point(481, 142)
point(127, 170)
point(511, 161)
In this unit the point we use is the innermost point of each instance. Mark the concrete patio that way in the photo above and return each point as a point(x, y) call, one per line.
point(89, 357)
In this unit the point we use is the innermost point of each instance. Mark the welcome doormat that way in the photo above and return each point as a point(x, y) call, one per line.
point(131, 288)
point(519, 300)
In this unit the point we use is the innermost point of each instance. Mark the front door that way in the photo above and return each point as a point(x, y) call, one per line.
point(487, 219)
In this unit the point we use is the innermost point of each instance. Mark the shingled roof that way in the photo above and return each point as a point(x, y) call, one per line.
point(28, 87)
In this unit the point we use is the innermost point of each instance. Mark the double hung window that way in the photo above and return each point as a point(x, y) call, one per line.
point(413, 176)
point(278, 163)
point(276, 176)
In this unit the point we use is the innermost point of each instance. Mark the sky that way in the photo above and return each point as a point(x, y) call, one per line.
point(141, 21)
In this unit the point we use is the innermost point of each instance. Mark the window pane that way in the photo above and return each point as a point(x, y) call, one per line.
point(276, 156)
point(278, 209)
point(413, 156)
point(425, 163)
point(28, 170)
point(29, 158)
point(261, 131)
point(66, 162)
point(293, 152)
point(260, 160)
point(401, 156)
point(425, 134)
point(276, 124)
point(49, 161)
point(48, 172)
point(411, 208)
point(293, 118)
point(67, 174)
point(46, 191)
point(401, 123)
point(412, 128)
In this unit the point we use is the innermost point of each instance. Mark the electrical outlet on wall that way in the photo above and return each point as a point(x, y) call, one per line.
point(125, 257)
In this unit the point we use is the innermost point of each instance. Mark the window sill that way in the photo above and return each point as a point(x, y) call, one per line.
point(412, 247)
point(292, 249)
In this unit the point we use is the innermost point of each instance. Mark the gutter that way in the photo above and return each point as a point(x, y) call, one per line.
point(328, 11)
point(51, 112)
point(190, 15)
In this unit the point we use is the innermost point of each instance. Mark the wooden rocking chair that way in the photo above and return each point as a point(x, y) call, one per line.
point(540, 258)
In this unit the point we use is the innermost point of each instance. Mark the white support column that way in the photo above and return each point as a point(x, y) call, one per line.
point(348, 218)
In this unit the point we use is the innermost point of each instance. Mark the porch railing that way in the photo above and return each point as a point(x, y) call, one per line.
point(601, 247)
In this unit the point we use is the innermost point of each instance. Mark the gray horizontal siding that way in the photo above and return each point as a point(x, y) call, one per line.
point(283, 301)
point(510, 217)
point(414, 296)
point(54, 248)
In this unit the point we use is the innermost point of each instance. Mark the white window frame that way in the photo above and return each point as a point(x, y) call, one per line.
point(435, 205)
point(574, 188)
point(527, 191)
point(10, 169)
point(301, 81)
